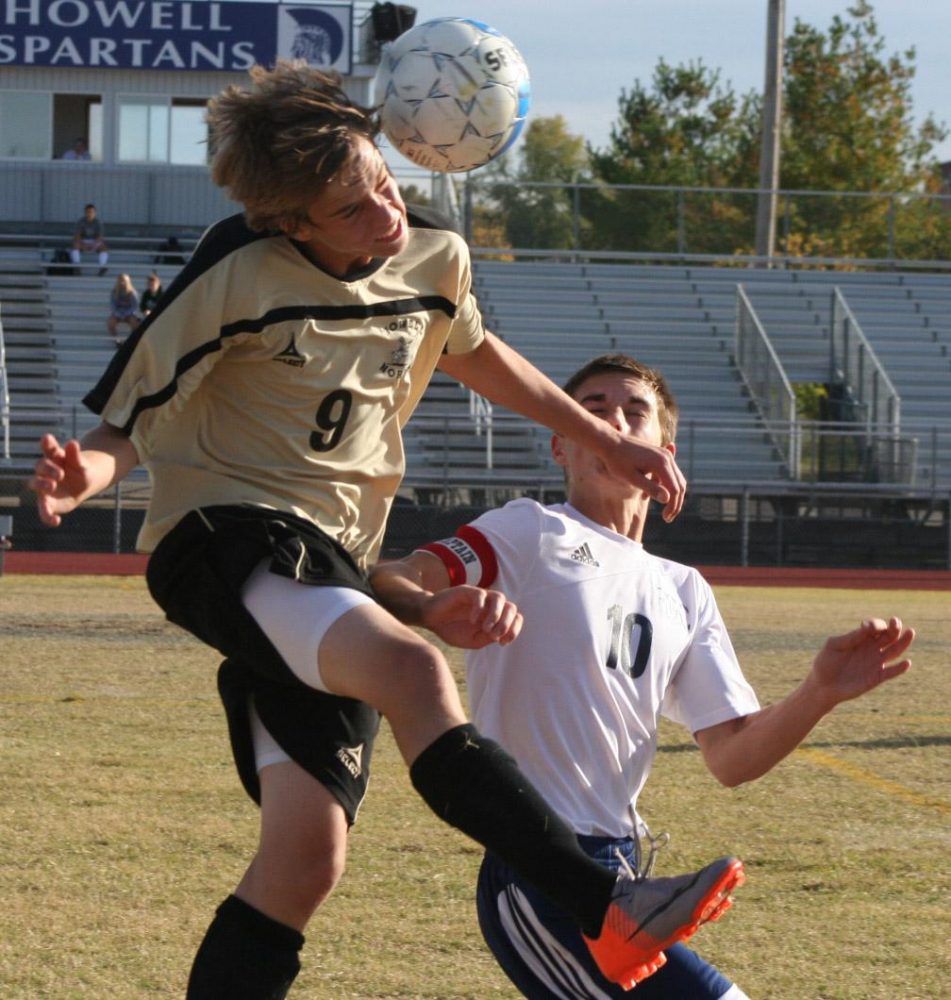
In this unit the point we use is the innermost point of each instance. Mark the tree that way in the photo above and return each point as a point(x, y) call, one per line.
point(848, 127)
point(686, 131)
point(531, 192)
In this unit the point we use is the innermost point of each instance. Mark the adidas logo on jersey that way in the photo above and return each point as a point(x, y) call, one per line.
point(352, 759)
point(583, 555)
point(290, 355)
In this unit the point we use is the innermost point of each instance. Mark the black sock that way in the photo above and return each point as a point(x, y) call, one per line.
point(245, 956)
point(475, 786)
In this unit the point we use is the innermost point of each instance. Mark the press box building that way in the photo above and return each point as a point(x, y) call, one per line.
point(131, 78)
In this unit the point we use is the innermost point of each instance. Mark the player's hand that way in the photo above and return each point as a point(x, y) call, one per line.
point(654, 470)
point(472, 618)
point(849, 665)
point(60, 479)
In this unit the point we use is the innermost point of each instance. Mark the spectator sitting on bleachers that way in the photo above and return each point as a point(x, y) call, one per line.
point(170, 252)
point(123, 306)
point(151, 295)
point(89, 236)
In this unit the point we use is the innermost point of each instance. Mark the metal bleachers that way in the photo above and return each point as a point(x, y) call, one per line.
point(560, 316)
point(681, 319)
point(56, 340)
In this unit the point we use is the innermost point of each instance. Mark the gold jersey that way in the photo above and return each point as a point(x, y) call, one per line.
point(262, 379)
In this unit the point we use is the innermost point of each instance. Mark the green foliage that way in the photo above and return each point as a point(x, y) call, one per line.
point(413, 195)
point(848, 134)
point(847, 114)
point(687, 131)
point(810, 400)
point(532, 196)
point(848, 127)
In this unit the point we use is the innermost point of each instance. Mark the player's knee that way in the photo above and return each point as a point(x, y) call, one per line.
point(423, 672)
point(299, 878)
point(319, 876)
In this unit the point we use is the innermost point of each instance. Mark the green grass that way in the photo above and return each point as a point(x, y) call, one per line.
point(122, 824)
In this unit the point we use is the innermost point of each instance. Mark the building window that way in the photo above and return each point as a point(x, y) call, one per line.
point(25, 125)
point(162, 130)
point(38, 125)
point(77, 116)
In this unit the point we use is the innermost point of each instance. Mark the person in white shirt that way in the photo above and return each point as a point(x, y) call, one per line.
point(579, 640)
point(78, 151)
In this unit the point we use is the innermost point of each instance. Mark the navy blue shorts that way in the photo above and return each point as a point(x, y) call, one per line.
point(540, 947)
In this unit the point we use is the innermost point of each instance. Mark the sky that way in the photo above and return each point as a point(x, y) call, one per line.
point(582, 55)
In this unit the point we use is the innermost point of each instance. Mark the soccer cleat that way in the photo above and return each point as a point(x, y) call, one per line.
point(647, 915)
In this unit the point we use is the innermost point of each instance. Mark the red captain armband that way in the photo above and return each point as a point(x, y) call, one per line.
point(468, 556)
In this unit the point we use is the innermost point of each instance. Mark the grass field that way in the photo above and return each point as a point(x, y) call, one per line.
point(122, 824)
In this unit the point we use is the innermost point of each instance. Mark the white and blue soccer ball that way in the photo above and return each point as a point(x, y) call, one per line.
point(452, 94)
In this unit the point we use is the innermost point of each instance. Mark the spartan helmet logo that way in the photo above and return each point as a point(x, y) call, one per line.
point(318, 39)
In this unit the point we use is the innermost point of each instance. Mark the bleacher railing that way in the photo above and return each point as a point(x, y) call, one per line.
point(877, 403)
point(766, 381)
point(4, 397)
point(481, 415)
point(716, 225)
point(853, 359)
point(821, 452)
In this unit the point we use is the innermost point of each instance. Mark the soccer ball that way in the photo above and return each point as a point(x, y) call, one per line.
point(452, 94)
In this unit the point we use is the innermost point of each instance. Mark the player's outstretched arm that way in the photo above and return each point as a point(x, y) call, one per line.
point(850, 665)
point(497, 372)
point(417, 591)
point(66, 475)
point(847, 666)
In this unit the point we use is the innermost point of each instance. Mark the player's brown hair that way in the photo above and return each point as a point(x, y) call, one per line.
point(274, 145)
point(667, 409)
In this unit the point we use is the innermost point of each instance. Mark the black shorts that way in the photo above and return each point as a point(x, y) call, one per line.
point(196, 575)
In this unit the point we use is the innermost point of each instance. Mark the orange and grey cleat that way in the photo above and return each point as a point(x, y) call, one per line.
point(648, 915)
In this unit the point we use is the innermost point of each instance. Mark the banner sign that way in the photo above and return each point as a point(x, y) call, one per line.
point(173, 34)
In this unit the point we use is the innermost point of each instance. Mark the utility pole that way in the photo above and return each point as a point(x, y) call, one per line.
point(772, 130)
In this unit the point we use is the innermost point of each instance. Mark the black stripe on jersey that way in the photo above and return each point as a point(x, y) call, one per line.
point(393, 307)
point(220, 240)
point(397, 307)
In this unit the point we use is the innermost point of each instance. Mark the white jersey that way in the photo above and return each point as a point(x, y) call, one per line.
point(614, 637)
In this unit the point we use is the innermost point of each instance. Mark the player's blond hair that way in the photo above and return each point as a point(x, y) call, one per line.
point(667, 409)
point(275, 145)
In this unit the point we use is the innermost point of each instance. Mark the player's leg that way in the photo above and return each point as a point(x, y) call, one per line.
point(250, 951)
point(302, 847)
point(468, 780)
point(539, 947)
